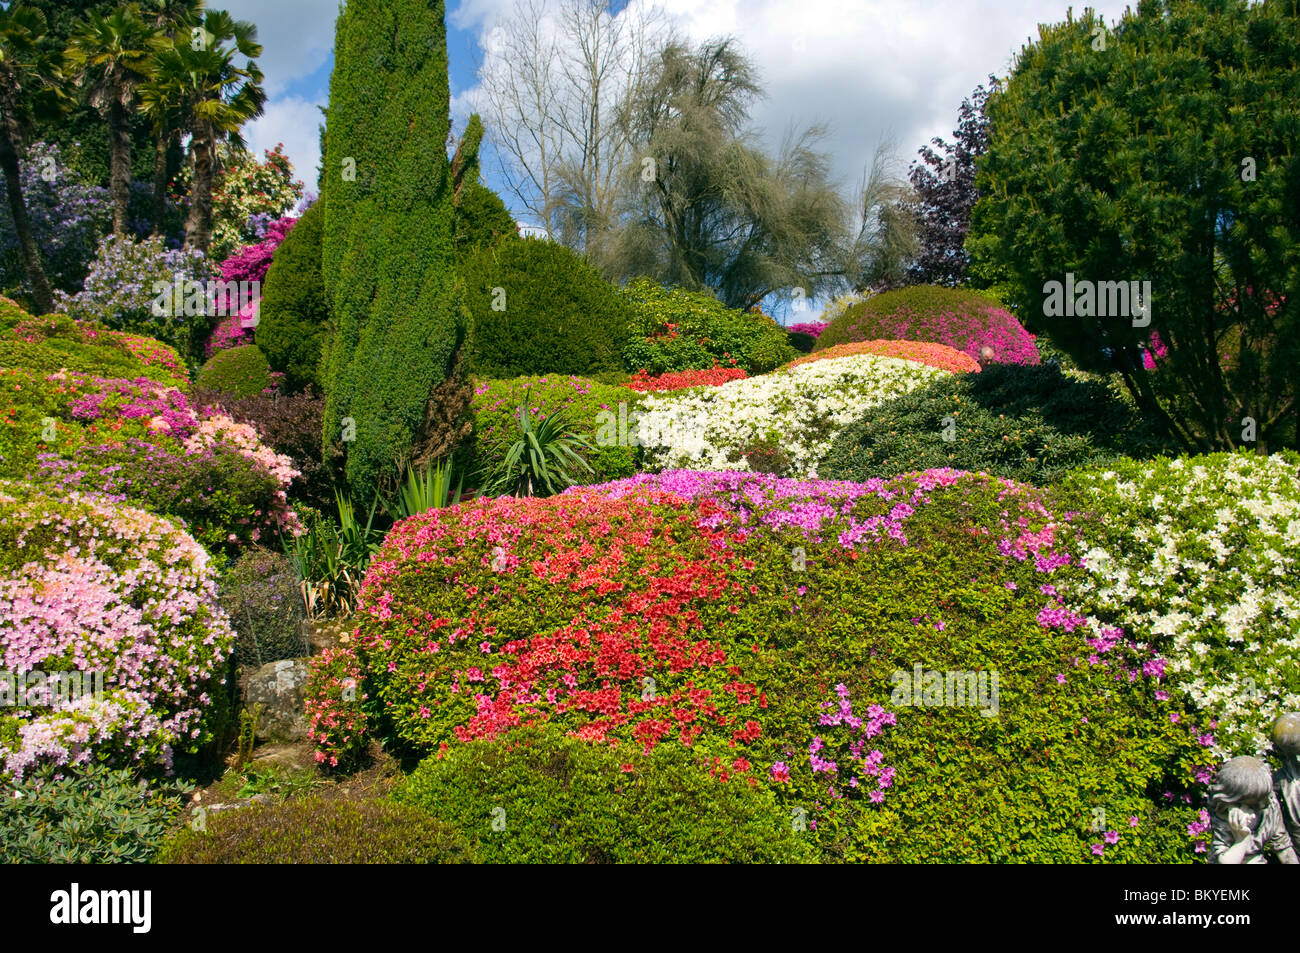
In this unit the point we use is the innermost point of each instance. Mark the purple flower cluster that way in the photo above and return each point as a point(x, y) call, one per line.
point(871, 775)
point(811, 328)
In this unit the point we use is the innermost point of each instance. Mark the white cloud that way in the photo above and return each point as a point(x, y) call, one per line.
point(876, 69)
point(296, 36)
point(295, 122)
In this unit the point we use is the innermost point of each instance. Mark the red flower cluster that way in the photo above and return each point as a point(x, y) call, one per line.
point(643, 382)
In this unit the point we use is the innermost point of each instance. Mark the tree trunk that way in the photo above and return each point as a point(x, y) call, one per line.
point(119, 149)
point(40, 285)
point(160, 183)
point(198, 224)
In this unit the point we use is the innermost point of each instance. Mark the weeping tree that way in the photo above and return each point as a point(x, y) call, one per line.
point(388, 245)
point(1161, 149)
point(704, 205)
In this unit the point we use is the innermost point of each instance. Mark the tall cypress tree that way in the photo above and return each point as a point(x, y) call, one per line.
point(388, 251)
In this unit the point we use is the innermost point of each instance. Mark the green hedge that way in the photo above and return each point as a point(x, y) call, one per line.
point(679, 330)
point(293, 321)
point(318, 831)
point(1023, 423)
point(496, 420)
point(539, 308)
point(538, 797)
point(237, 371)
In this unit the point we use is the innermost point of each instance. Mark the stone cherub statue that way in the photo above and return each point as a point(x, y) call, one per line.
point(1286, 743)
point(1245, 817)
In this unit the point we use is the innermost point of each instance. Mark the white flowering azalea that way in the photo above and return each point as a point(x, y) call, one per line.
point(1201, 560)
point(789, 417)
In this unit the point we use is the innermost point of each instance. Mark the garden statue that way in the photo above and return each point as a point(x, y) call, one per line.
point(1245, 817)
point(1286, 742)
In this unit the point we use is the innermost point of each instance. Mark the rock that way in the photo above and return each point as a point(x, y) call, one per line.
point(280, 688)
point(329, 635)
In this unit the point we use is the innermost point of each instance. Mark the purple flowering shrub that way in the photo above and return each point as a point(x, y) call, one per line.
point(145, 444)
point(119, 290)
point(811, 328)
point(960, 319)
point(67, 215)
point(929, 691)
point(89, 586)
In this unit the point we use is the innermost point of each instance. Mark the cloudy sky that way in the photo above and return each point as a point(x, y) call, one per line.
point(872, 69)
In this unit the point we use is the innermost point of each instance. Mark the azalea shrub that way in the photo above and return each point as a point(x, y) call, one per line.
point(1199, 557)
point(680, 330)
point(782, 422)
point(119, 291)
point(140, 442)
point(960, 319)
point(240, 371)
point(589, 406)
point(933, 355)
point(1024, 423)
point(122, 597)
point(247, 264)
point(535, 796)
point(248, 195)
point(717, 615)
point(680, 380)
point(55, 342)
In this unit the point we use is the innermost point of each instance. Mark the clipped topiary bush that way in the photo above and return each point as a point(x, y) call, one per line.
point(793, 632)
point(1023, 423)
point(961, 319)
point(537, 797)
point(1200, 557)
point(319, 831)
point(680, 330)
point(237, 371)
point(293, 321)
point(90, 814)
point(539, 308)
point(260, 594)
point(496, 411)
point(128, 600)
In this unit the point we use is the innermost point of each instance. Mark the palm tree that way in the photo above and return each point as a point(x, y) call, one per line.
point(111, 55)
point(30, 87)
point(171, 18)
point(213, 96)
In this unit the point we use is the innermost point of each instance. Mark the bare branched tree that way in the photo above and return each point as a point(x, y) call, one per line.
point(555, 82)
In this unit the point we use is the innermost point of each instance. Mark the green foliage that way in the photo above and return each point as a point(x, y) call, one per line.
point(1168, 157)
point(555, 799)
point(237, 371)
point(1022, 423)
point(542, 459)
point(801, 341)
point(680, 330)
point(293, 322)
point(482, 219)
point(496, 404)
point(318, 831)
point(388, 245)
point(330, 558)
point(89, 814)
point(427, 488)
point(955, 317)
point(260, 594)
point(539, 308)
point(55, 342)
